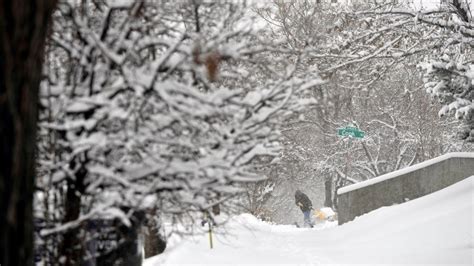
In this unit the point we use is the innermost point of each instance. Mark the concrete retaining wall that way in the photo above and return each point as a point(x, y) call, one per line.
point(403, 185)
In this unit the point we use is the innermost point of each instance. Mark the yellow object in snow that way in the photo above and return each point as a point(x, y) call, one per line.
point(325, 213)
point(320, 215)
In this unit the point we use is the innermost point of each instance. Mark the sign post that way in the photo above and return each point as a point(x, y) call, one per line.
point(351, 132)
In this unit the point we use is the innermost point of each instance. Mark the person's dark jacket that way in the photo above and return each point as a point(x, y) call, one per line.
point(303, 201)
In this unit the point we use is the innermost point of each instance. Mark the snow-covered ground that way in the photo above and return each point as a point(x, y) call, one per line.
point(433, 230)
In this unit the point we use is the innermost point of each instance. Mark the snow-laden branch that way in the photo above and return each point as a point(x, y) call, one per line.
point(145, 110)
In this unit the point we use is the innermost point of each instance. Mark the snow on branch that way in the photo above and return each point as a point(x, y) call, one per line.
point(144, 110)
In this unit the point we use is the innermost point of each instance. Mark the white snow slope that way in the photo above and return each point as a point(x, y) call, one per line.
point(433, 230)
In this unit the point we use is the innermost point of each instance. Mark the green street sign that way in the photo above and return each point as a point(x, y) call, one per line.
point(351, 132)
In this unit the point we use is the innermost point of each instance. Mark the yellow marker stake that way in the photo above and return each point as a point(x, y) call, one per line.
point(210, 233)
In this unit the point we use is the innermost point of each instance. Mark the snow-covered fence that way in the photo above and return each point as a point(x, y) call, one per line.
point(403, 185)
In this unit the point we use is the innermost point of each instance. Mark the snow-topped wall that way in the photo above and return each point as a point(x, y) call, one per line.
point(403, 185)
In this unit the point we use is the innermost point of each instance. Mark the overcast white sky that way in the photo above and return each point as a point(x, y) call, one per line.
point(430, 3)
point(426, 3)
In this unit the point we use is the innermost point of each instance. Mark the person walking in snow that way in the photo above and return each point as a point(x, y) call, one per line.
point(305, 205)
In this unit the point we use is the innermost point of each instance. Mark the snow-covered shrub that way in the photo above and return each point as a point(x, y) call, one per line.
point(155, 104)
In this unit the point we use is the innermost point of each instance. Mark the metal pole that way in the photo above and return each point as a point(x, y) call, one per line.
point(348, 157)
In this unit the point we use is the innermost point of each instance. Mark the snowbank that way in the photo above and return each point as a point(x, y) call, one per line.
point(435, 229)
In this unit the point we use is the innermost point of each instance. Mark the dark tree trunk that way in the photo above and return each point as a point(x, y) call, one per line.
point(23, 29)
point(72, 245)
point(328, 202)
point(154, 241)
point(339, 184)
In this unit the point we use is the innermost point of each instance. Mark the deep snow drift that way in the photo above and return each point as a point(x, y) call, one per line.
point(435, 229)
